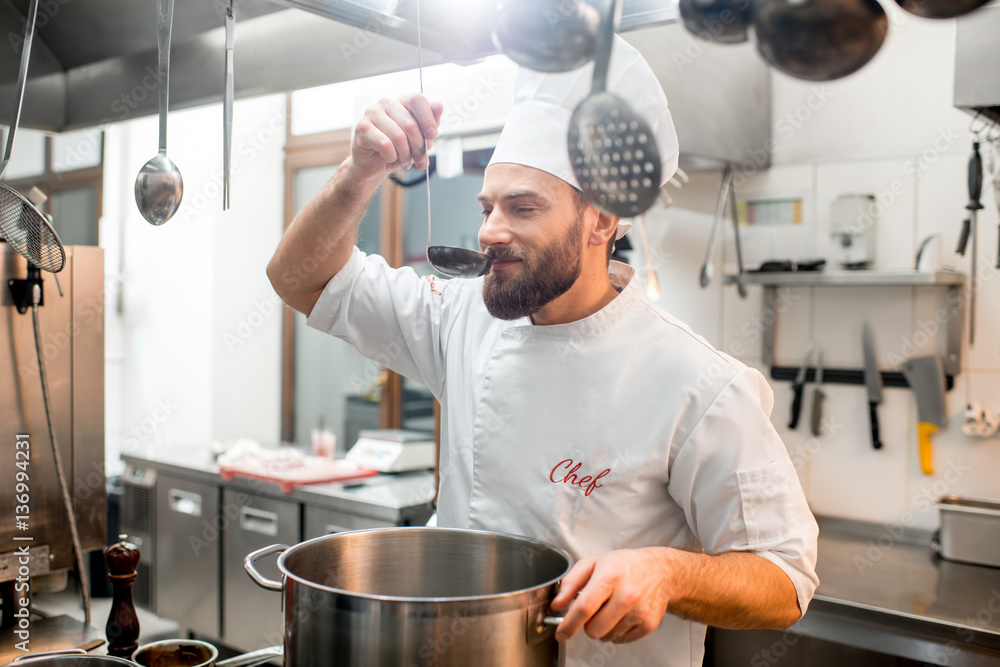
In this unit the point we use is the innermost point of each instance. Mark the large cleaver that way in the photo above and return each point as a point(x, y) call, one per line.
point(926, 377)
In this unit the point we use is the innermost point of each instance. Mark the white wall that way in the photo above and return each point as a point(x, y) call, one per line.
point(889, 130)
point(194, 354)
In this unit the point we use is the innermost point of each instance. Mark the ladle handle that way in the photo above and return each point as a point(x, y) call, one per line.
point(258, 578)
point(253, 658)
point(602, 49)
point(164, 22)
point(22, 78)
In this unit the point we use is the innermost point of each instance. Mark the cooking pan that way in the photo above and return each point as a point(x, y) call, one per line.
point(195, 653)
point(417, 596)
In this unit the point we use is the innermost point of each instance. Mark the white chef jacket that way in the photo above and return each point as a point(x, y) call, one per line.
point(621, 430)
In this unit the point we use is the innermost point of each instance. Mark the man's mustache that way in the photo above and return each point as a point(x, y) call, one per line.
point(500, 254)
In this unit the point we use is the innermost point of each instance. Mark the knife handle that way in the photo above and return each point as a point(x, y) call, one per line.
point(817, 412)
point(796, 406)
point(873, 414)
point(924, 431)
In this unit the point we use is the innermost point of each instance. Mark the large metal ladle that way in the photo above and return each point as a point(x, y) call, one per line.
point(448, 260)
point(159, 186)
point(547, 35)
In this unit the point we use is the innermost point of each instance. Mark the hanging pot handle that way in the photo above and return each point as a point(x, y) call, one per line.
point(258, 578)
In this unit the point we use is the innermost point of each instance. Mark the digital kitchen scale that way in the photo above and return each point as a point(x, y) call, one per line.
point(393, 450)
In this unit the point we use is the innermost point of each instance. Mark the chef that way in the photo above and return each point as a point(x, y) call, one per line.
point(573, 409)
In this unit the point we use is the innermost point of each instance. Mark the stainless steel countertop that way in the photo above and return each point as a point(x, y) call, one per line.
point(880, 574)
point(868, 572)
point(387, 497)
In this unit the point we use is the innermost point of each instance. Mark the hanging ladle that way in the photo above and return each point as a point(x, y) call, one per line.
point(547, 35)
point(448, 260)
point(159, 186)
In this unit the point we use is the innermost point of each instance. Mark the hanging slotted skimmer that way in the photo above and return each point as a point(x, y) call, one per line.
point(611, 147)
point(21, 224)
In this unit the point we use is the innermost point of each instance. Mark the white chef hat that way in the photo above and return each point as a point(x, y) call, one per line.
point(536, 130)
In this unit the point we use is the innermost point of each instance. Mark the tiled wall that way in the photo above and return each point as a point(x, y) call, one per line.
point(889, 130)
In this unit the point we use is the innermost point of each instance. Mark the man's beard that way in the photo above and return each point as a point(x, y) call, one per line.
point(542, 278)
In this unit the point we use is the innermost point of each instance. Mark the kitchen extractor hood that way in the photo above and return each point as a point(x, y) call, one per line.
point(94, 62)
point(977, 52)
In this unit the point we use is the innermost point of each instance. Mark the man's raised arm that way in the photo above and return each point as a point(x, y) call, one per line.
point(319, 241)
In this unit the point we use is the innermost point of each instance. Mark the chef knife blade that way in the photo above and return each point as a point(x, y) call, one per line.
point(818, 396)
point(925, 376)
point(797, 387)
point(873, 379)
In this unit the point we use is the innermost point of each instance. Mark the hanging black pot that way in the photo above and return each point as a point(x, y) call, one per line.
point(940, 9)
point(722, 21)
point(818, 40)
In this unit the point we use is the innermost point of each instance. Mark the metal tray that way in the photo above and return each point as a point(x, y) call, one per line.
point(970, 530)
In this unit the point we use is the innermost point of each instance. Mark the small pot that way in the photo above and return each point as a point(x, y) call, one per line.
point(417, 597)
point(195, 653)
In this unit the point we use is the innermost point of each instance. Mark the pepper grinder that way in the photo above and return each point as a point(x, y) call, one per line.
point(123, 623)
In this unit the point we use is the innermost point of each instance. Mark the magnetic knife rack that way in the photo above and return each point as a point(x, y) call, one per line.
point(954, 282)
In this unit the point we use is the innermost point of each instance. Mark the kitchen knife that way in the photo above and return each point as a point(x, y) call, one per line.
point(818, 396)
point(926, 377)
point(873, 379)
point(798, 386)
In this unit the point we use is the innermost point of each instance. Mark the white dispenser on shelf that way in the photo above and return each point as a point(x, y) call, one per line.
point(853, 219)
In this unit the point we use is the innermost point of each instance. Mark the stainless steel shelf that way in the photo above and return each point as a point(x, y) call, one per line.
point(867, 278)
point(772, 282)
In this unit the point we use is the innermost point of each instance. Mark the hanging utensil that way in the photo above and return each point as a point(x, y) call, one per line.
point(873, 380)
point(21, 224)
point(940, 9)
point(721, 21)
point(706, 269)
point(818, 40)
point(798, 387)
point(816, 416)
point(159, 186)
point(741, 286)
point(652, 283)
point(449, 260)
point(612, 148)
point(227, 107)
point(974, 206)
point(547, 35)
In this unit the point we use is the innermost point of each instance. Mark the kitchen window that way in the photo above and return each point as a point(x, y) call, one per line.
point(69, 169)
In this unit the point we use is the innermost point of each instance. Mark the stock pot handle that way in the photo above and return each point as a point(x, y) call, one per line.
point(258, 578)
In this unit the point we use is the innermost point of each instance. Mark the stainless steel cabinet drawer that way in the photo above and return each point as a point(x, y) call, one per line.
point(319, 522)
point(187, 559)
point(251, 616)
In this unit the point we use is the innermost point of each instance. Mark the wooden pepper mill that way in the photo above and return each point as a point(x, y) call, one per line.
point(123, 622)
